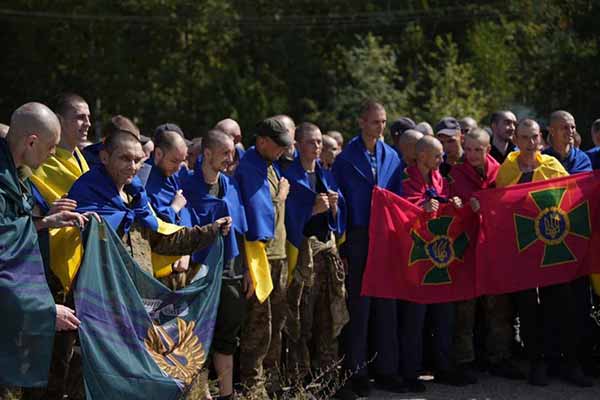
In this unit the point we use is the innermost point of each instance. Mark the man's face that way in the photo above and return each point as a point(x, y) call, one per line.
point(169, 162)
point(40, 147)
point(311, 145)
point(329, 153)
point(220, 157)
point(563, 132)
point(76, 123)
point(528, 140)
point(373, 122)
point(432, 158)
point(124, 162)
point(475, 152)
point(452, 146)
point(269, 149)
point(505, 127)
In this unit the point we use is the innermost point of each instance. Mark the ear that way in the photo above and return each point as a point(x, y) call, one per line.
point(159, 154)
point(31, 139)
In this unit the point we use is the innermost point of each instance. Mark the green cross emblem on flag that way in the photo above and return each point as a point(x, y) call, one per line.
point(439, 252)
point(552, 226)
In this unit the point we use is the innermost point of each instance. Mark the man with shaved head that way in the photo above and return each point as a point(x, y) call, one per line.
point(3, 130)
point(551, 309)
point(339, 138)
point(233, 130)
point(467, 124)
point(331, 149)
point(365, 162)
point(425, 187)
point(562, 143)
point(26, 339)
point(562, 147)
point(212, 194)
point(503, 124)
point(478, 171)
point(406, 146)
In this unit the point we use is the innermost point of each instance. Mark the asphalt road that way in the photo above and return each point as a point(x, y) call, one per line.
point(493, 388)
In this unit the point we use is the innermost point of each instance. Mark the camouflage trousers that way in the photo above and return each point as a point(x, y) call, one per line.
point(498, 331)
point(260, 339)
point(322, 313)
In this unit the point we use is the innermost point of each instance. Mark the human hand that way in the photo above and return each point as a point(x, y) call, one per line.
point(64, 219)
point(179, 201)
point(321, 204)
point(248, 285)
point(432, 205)
point(475, 206)
point(66, 319)
point(284, 189)
point(224, 225)
point(333, 201)
point(181, 265)
point(456, 202)
point(62, 204)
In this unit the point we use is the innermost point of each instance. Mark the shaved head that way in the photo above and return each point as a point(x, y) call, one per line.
point(215, 138)
point(3, 130)
point(168, 140)
point(339, 138)
point(231, 128)
point(479, 135)
point(560, 115)
point(425, 128)
point(33, 134)
point(407, 145)
point(428, 143)
point(329, 142)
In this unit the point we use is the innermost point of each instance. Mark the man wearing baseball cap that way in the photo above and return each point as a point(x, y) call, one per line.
point(263, 193)
point(448, 131)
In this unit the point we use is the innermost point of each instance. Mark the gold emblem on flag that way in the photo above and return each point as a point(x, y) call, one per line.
point(181, 360)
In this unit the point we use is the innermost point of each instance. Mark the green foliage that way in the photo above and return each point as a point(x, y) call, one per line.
point(367, 70)
point(452, 87)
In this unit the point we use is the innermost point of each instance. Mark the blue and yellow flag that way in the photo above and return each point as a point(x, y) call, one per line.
point(139, 339)
point(299, 206)
point(251, 175)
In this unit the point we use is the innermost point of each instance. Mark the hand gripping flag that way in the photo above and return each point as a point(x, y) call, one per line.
point(140, 340)
point(418, 256)
point(538, 234)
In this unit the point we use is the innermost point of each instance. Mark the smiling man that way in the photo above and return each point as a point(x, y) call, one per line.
point(562, 133)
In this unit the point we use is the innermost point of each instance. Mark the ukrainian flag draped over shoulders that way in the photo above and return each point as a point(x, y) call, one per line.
point(299, 206)
point(161, 190)
point(96, 192)
point(510, 173)
point(353, 174)
point(251, 175)
point(53, 180)
point(26, 305)
point(205, 209)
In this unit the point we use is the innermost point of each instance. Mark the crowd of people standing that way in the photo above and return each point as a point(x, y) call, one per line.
point(294, 209)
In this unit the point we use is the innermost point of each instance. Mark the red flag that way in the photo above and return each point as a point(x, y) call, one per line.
point(415, 257)
point(538, 234)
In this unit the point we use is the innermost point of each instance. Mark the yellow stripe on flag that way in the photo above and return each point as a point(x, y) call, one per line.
point(259, 268)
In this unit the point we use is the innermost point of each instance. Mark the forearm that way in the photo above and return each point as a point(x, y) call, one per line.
point(185, 241)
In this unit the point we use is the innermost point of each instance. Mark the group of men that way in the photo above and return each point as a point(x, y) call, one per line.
point(294, 210)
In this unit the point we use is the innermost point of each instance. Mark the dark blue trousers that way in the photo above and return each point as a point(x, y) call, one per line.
point(367, 312)
point(413, 320)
